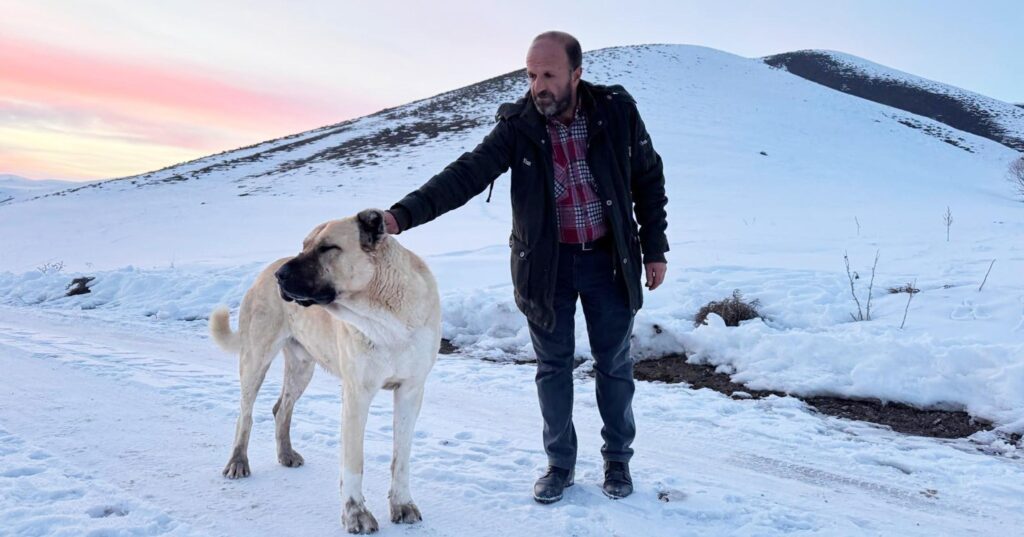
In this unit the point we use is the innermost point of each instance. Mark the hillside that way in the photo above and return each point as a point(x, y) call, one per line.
point(714, 113)
point(771, 179)
point(961, 109)
point(119, 410)
point(13, 187)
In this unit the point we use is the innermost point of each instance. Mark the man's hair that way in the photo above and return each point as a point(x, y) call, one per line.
point(572, 46)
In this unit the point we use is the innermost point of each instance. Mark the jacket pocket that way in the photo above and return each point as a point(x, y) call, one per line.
point(520, 266)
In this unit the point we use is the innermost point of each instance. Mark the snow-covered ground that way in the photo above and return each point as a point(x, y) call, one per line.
point(122, 427)
point(116, 400)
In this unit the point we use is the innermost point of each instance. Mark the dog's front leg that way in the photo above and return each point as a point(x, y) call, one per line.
point(408, 400)
point(354, 515)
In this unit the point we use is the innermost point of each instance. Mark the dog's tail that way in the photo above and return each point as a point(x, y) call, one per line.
point(220, 329)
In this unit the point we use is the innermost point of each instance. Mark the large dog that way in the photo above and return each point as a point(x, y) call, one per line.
point(366, 309)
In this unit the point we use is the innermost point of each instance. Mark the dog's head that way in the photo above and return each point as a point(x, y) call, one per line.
point(338, 258)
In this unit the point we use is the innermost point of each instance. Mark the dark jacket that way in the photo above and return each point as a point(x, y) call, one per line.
point(625, 166)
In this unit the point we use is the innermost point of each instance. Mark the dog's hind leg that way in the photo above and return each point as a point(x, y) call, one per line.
point(408, 400)
point(253, 363)
point(298, 370)
point(355, 409)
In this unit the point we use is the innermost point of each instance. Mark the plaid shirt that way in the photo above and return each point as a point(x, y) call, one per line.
point(579, 210)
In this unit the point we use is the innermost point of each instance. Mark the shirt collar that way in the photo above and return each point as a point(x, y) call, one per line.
point(576, 115)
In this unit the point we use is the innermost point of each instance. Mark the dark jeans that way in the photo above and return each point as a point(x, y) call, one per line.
point(589, 276)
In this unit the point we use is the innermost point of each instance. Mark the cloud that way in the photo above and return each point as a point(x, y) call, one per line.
point(102, 123)
point(52, 97)
point(33, 70)
point(68, 155)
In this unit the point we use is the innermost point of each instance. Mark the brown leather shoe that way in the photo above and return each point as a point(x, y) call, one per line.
point(617, 482)
point(549, 488)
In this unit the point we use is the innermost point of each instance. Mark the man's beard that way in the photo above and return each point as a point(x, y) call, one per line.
point(553, 107)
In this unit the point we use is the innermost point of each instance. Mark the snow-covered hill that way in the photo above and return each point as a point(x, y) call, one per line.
point(771, 179)
point(959, 108)
point(13, 187)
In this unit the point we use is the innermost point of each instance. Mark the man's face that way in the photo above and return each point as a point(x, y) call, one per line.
point(552, 84)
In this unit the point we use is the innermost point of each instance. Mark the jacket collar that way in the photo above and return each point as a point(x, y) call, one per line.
point(537, 124)
point(584, 94)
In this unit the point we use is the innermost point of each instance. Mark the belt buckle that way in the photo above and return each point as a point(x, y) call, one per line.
point(587, 246)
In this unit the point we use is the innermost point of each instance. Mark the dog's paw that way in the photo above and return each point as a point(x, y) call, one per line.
point(406, 513)
point(358, 519)
point(236, 468)
point(291, 459)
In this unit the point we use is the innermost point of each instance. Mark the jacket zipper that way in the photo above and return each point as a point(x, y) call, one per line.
point(591, 134)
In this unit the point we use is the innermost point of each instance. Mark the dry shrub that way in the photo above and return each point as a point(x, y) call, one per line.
point(732, 310)
point(1015, 174)
point(905, 288)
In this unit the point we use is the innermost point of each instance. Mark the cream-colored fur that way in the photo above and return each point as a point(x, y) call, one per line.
point(382, 330)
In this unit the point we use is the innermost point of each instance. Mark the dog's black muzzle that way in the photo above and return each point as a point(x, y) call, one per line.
point(294, 285)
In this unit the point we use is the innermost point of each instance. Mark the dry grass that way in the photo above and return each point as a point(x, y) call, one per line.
point(732, 310)
point(905, 288)
point(1015, 174)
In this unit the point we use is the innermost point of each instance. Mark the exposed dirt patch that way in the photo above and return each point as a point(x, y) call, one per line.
point(959, 113)
point(945, 136)
point(364, 150)
point(79, 286)
point(901, 418)
point(448, 348)
point(417, 123)
point(674, 369)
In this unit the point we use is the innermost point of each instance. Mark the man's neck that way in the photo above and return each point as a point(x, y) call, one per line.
point(570, 113)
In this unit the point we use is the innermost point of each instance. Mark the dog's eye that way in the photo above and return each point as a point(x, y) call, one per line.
point(327, 247)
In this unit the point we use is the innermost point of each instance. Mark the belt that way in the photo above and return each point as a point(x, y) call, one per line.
point(601, 243)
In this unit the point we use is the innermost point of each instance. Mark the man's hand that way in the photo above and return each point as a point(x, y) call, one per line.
point(390, 224)
point(655, 273)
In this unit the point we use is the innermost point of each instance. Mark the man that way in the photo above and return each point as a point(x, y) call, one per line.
point(582, 164)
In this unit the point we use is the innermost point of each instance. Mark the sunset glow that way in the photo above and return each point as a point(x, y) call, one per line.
point(71, 115)
point(108, 88)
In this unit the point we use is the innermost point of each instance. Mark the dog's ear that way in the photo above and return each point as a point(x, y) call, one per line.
point(312, 236)
point(371, 228)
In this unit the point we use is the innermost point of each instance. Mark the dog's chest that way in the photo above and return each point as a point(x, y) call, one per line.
point(411, 357)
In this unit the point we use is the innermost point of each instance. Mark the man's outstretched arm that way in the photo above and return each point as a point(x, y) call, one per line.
point(468, 176)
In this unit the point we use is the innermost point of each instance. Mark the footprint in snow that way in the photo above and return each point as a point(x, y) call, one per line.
point(22, 472)
point(673, 495)
point(104, 511)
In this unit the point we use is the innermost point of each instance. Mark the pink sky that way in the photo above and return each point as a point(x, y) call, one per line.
point(76, 115)
point(109, 88)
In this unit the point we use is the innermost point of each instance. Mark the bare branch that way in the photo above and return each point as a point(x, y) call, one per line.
point(986, 275)
point(48, 267)
point(871, 285)
point(948, 219)
point(860, 314)
point(1015, 175)
point(910, 296)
